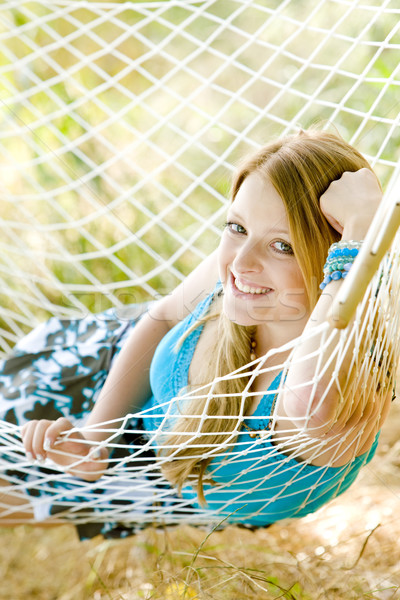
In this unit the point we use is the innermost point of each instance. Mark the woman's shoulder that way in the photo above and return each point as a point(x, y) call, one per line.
point(194, 290)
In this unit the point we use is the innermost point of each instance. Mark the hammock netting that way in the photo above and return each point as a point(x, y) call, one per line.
point(121, 124)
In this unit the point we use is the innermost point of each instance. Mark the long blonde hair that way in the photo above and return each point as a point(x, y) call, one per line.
point(301, 168)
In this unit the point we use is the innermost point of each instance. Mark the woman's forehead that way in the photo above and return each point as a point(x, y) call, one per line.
point(259, 204)
point(258, 190)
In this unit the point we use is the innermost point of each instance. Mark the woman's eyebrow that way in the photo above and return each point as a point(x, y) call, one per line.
point(278, 230)
point(233, 215)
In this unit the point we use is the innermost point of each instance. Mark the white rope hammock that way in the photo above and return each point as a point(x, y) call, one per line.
point(121, 123)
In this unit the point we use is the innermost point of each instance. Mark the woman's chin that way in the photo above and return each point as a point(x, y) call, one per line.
point(245, 314)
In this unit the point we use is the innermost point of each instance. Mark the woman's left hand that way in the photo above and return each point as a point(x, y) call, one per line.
point(350, 203)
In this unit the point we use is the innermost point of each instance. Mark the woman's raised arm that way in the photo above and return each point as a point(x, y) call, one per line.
point(349, 204)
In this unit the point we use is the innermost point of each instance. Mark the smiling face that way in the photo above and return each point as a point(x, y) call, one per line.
point(261, 278)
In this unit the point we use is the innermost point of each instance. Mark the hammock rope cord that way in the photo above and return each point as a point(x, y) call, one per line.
point(121, 126)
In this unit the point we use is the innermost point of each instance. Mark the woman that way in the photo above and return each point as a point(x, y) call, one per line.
point(224, 458)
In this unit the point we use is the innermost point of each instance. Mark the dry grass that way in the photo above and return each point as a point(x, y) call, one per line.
point(348, 550)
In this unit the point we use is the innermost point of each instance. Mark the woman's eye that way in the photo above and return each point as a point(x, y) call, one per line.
point(283, 247)
point(235, 227)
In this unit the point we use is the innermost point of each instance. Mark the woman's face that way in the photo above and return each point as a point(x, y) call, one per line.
point(261, 278)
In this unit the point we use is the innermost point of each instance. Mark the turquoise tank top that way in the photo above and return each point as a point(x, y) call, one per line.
point(255, 483)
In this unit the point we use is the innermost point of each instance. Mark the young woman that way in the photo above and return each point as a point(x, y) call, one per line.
point(253, 448)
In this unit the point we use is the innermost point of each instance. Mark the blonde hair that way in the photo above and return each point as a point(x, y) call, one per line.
point(301, 168)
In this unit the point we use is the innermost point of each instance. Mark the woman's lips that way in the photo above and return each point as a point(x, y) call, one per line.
point(250, 290)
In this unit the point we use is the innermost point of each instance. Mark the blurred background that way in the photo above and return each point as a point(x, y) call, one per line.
point(121, 124)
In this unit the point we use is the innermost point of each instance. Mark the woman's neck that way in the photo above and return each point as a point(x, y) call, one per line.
point(277, 333)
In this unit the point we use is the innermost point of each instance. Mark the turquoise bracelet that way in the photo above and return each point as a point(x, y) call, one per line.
point(341, 256)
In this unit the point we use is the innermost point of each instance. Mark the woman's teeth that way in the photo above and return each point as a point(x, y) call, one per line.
point(246, 289)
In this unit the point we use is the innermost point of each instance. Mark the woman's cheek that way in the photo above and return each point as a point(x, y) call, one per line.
point(223, 259)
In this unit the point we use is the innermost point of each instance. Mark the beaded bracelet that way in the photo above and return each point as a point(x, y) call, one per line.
point(341, 256)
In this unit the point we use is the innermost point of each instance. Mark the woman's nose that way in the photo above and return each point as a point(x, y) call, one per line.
point(247, 260)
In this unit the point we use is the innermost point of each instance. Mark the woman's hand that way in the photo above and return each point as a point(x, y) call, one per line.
point(350, 203)
point(46, 439)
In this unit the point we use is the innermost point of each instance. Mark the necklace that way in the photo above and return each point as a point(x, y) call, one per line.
point(253, 346)
point(260, 433)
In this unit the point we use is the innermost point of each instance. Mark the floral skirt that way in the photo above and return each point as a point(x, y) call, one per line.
point(58, 370)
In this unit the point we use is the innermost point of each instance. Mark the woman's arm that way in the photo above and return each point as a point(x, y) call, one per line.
point(127, 386)
point(349, 205)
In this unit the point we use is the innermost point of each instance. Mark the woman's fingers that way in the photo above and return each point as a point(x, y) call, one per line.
point(56, 428)
point(38, 439)
point(39, 436)
point(45, 439)
point(356, 195)
point(33, 437)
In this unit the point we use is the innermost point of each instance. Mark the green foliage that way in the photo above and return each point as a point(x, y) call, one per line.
point(122, 133)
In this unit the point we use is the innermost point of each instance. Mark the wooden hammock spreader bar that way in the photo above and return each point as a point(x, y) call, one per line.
point(377, 242)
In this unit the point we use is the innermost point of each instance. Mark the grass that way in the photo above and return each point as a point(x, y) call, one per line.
point(346, 551)
point(292, 561)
